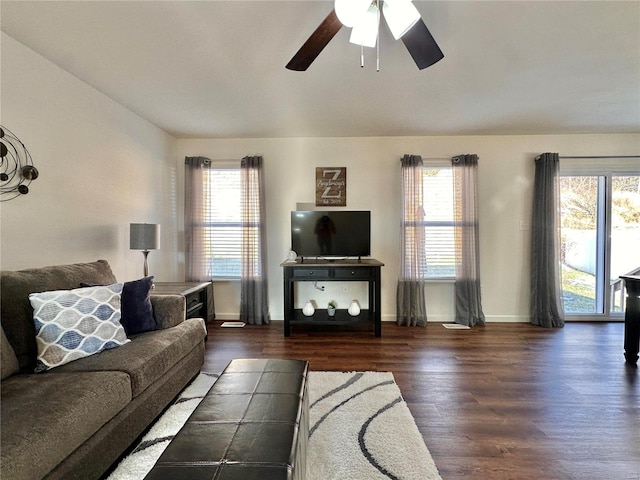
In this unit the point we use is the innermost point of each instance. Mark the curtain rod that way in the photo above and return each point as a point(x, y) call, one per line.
point(448, 159)
point(604, 156)
point(594, 157)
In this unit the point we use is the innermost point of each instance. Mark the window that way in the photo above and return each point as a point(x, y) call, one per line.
point(222, 203)
point(600, 234)
point(439, 222)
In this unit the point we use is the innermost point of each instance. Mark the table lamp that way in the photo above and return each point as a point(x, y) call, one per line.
point(145, 237)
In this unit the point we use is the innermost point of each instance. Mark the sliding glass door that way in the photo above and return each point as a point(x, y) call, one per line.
point(600, 220)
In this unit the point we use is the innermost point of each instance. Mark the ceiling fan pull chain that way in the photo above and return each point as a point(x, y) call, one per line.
point(378, 38)
point(361, 56)
point(378, 54)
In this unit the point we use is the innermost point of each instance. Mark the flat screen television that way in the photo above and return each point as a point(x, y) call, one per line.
point(334, 233)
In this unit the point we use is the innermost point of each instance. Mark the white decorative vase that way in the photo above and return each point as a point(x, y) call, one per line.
point(308, 309)
point(354, 309)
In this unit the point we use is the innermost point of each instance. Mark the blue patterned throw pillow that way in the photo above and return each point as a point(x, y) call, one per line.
point(137, 311)
point(72, 324)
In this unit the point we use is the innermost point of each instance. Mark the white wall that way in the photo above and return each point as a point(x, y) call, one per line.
point(505, 179)
point(101, 167)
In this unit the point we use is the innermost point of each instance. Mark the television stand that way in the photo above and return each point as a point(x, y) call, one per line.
point(364, 270)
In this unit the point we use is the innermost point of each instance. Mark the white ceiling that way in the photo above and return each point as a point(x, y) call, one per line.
point(216, 68)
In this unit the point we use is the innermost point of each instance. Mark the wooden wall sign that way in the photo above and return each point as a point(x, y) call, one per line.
point(331, 186)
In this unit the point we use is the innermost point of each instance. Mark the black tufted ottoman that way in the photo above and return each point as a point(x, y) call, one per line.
point(252, 425)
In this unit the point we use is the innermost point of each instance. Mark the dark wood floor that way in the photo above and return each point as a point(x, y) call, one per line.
point(507, 401)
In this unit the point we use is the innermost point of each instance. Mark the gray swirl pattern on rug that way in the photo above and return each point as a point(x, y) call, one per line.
point(362, 429)
point(361, 435)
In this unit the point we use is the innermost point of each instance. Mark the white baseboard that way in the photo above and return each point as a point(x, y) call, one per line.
point(449, 319)
point(392, 318)
point(507, 319)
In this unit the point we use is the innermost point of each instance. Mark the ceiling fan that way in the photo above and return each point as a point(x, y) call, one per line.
point(363, 16)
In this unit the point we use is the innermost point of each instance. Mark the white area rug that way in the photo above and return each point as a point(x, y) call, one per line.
point(360, 429)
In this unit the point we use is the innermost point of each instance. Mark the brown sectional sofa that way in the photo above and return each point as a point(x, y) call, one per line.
point(75, 420)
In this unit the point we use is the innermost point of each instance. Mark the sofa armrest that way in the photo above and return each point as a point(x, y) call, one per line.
point(169, 310)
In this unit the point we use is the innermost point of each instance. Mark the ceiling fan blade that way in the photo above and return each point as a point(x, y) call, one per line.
point(422, 46)
point(315, 43)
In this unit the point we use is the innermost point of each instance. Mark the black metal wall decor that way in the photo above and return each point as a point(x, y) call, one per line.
point(16, 167)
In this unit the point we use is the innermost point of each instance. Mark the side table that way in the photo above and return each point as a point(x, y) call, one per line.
point(199, 297)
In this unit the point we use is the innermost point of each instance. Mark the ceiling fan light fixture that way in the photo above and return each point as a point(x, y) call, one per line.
point(349, 11)
point(365, 31)
point(400, 15)
point(404, 22)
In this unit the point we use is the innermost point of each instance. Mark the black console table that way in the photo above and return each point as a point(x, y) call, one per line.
point(365, 270)
point(632, 319)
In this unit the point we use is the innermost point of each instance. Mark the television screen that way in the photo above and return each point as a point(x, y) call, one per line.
point(339, 233)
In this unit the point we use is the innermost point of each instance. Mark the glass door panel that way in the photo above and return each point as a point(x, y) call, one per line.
point(625, 235)
point(580, 245)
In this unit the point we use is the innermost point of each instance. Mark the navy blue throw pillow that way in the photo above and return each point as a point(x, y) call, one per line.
point(135, 306)
point(137, 314)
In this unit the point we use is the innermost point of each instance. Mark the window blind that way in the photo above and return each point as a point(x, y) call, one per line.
point(439, 222)
point(222, 218)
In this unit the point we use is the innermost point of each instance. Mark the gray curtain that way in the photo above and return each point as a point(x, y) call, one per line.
point(254, 297)
point(546, 296)
point(467, 286)
point(197, 265)
point(410, 298)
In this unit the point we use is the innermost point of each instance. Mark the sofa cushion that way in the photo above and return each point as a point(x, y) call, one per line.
point(73, 324)
point(59, 412)
point(16, 311)
point(149, 355)
point(169, 310)
point(9, 361)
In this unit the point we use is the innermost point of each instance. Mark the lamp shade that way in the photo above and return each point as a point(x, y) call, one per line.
point(144, 236)
point(400, 15)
